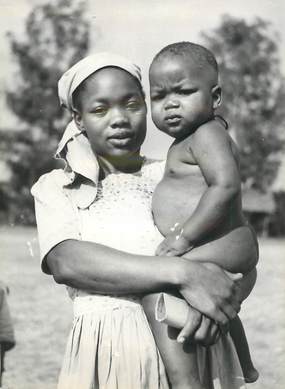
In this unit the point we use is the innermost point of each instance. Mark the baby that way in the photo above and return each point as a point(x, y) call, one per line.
point(197, 205)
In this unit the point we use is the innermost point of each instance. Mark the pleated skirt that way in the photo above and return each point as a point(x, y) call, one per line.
point(111, 346)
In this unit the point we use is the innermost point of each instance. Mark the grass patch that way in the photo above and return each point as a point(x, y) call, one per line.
point(41, 311)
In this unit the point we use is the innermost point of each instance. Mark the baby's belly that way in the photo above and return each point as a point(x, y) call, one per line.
point(174, 202)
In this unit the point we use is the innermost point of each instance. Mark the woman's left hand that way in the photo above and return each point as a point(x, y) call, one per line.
point(199, 328)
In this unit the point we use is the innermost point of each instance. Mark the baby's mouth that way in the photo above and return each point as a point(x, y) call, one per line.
point(173, 119)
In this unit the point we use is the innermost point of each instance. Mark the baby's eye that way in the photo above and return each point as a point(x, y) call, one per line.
point(100, 111)
point(186, 91)
point(133, 105)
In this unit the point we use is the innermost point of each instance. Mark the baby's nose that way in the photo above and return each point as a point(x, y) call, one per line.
point(171, 102)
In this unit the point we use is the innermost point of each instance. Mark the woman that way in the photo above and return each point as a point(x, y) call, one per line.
point(97, 237)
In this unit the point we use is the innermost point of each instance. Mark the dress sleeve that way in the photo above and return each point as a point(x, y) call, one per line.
point(55, 214)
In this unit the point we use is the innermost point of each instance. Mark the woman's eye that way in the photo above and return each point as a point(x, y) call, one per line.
point(133, 105)
point(100, 111)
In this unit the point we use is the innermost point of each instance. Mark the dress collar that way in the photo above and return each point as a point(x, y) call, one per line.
point(80, 162)
point(74, 148)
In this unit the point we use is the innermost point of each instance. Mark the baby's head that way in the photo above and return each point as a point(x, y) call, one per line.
point(184, 88)
point(105, 95)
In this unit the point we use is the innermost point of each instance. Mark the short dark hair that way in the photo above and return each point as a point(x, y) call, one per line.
point(199, 54)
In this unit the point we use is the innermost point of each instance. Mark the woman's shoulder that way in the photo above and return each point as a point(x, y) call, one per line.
point(50, 183)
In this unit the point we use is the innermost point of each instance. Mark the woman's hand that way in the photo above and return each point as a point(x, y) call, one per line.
point(199, 328)
point(211, 291)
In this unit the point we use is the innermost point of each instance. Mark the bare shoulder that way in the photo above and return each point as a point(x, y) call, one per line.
point(210, 138)
point(210, 132)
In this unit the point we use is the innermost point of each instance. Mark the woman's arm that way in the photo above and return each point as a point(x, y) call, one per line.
point(101, 269)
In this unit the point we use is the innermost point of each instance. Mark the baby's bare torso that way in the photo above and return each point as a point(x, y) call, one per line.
point(179, 192)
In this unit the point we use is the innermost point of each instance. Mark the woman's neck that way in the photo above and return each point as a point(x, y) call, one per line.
point(113, 165)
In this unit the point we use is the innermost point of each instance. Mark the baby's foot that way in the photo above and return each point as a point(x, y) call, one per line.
point(251, 375)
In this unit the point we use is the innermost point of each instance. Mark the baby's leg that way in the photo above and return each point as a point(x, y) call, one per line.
point(239, 338)
point(180, 361)
point(236, 251)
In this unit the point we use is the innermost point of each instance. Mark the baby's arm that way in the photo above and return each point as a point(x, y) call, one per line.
point(212, 149)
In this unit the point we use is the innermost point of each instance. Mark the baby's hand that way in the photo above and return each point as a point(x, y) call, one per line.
point(175, 244)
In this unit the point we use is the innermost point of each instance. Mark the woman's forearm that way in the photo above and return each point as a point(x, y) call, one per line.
point(101, 269)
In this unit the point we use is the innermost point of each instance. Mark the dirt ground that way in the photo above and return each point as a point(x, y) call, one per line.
point(42, 314)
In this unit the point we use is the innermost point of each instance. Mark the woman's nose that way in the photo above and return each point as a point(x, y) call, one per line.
point(119, 118)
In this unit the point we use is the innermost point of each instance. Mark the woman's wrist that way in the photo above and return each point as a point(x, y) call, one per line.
point(182, 273)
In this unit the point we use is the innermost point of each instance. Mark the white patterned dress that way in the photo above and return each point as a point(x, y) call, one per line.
point(110, 345)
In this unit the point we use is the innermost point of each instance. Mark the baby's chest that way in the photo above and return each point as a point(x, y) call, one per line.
point(181, 165)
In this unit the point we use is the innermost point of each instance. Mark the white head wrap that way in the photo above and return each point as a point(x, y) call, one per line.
point(73, 77)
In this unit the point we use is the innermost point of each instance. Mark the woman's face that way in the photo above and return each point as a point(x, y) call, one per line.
point(113, 113)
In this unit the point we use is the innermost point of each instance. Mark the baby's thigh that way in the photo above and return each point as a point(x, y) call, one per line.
point(236, 251)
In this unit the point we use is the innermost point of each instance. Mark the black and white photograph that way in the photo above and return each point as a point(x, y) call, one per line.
point(142, 195)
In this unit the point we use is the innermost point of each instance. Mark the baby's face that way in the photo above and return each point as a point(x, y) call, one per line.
point(113, 113)
point(181, 96)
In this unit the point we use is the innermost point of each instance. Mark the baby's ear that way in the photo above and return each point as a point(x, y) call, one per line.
point(217, 96)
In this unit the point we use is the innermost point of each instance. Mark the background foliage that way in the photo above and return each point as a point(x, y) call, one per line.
point(56, 36)
point(253, 94)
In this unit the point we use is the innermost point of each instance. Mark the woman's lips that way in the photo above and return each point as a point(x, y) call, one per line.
point(120, 139)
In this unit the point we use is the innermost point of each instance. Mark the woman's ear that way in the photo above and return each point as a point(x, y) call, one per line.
point(217, 96)
point(77, 117)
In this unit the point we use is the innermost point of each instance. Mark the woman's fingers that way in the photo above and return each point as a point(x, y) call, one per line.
point(224, 328)
point(215, 333)
point(211, 291)
point(201, 336)
point(208, 332)
point(193, 321)
point(231, 311)
point(219, 317)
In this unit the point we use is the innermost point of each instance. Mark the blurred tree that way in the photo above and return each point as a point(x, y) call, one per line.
point(253, 90)
point(56, 36)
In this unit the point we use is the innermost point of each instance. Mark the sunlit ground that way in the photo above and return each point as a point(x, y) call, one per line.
point(42, 314)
